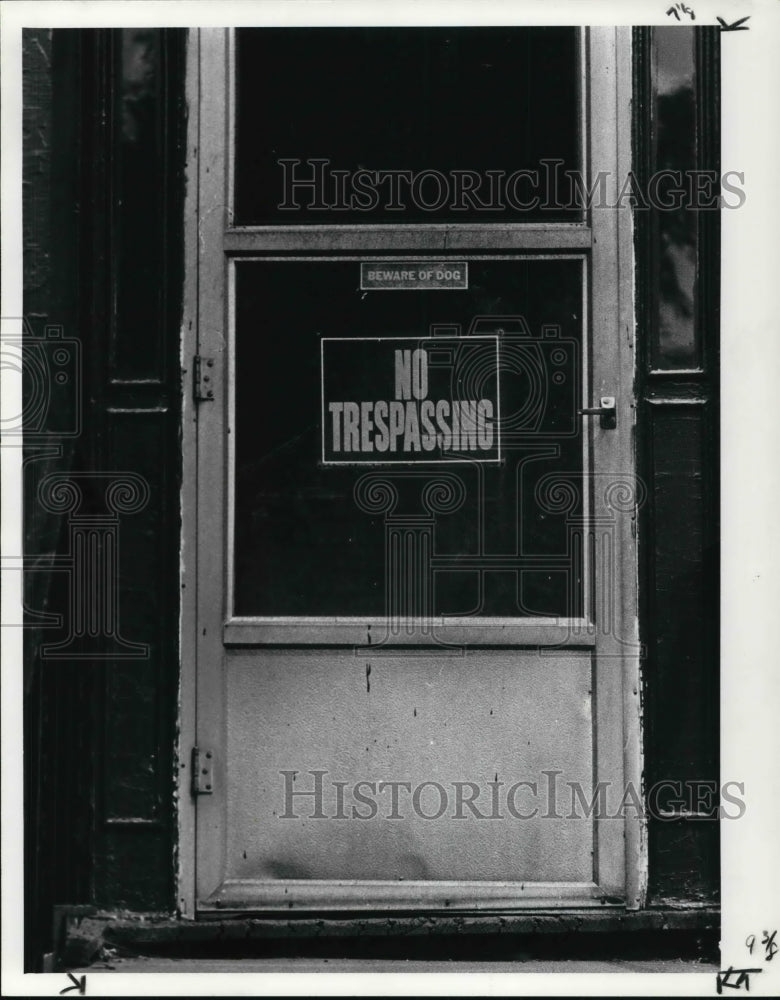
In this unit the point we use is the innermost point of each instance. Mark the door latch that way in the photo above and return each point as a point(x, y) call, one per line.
point(202, 378)
point(607, 413)
point(202, 771)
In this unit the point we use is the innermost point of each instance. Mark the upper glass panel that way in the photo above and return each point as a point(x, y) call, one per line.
point(675, 343)
point(380, 125)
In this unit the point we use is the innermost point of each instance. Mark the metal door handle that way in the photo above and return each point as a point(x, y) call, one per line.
point(607, 412)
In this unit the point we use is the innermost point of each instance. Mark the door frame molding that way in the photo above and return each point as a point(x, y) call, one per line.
point(188, 564)
point(207, 223)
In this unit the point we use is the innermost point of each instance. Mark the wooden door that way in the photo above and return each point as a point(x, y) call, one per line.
point(413, 631)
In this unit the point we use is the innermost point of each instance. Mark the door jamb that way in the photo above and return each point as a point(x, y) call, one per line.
point(188, 566)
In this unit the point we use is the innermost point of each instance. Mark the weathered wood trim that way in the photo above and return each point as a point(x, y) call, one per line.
point(374, 632)
point(438, 237)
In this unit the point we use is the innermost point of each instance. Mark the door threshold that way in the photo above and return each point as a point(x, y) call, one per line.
point(654, 932)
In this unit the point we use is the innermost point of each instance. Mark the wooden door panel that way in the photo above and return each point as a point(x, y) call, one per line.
point(303, 721)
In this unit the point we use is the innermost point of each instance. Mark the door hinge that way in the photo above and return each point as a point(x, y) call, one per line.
point(202, 378)
point(202, 771)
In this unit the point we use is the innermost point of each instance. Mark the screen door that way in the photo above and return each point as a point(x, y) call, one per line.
point(414, 621)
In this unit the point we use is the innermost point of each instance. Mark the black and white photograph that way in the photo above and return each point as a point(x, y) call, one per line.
point(389, 470)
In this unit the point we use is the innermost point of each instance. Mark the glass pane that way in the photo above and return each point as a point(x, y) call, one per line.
point(406, 124)
point(139, 163)
point(677, 229)
point(479, 536)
